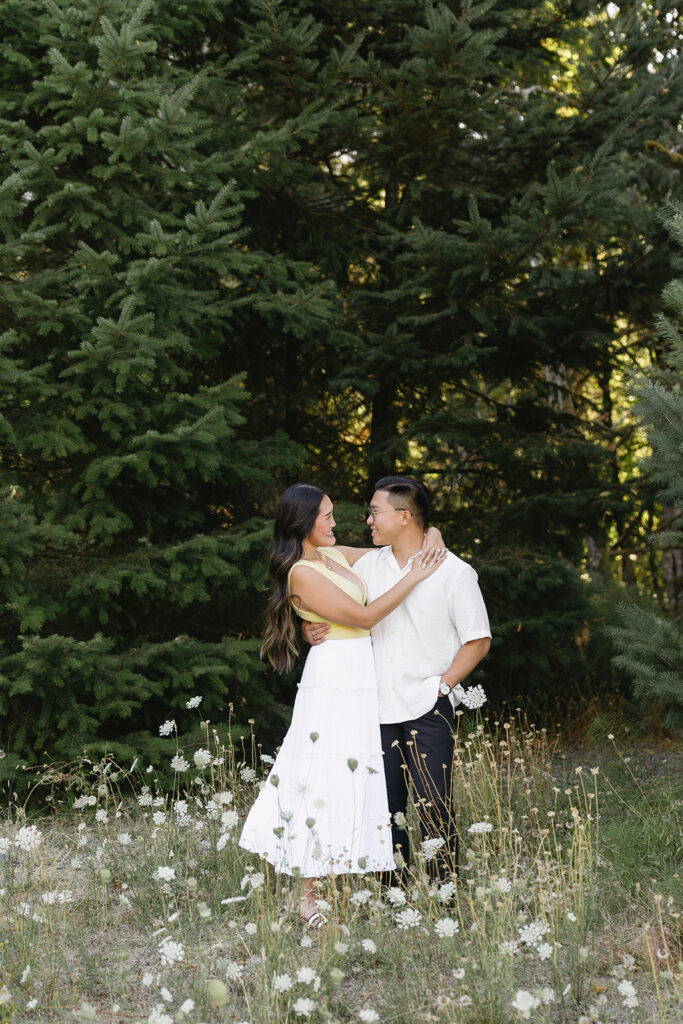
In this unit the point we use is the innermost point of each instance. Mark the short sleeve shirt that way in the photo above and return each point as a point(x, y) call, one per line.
point(415, 644)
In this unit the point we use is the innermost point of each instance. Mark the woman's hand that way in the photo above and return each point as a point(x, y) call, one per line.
point(433, 549)
point(418, 571)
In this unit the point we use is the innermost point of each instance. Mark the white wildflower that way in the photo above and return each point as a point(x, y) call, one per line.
point(357, 899)
point(158, 817)
point(179, 764)
point(193, 702)
point(446, 891)
point(524, 1002)
point(532, 933)
point(267, 759)
point(26, 975)
point(233, 971)
point(341, 948)
point(306, 975)
point(165, 995)
point(170, 951)
point(167, 727)
point(480, 827)
point(101, 816)
point(547, 995)
point(396, 896)
point(408, 919)
point(229, 820)
point(282, 982)
point(368, 1016)
point(201, 758)
point(509, 948)
point(124, 838)
point(446, 927)
point(250, 928)
point(223, 797)
point(84, 801)
point(165, 874)
point(159, 1015)
point(368, 946)
point(430, 846)
point(253, 880)
point(188, 1006)
point(474, 697)
point(545, 950)
point(627, 991)
point(304, 1007)
point(570, 916)
point(28, 838)
point(248, 774)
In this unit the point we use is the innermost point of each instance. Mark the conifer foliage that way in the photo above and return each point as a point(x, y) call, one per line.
point(650, 645)
point(124, 456)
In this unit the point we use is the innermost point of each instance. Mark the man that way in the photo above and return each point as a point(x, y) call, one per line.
point(423, 650)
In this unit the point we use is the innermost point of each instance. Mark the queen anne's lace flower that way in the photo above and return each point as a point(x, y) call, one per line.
point(201, 758)
point(179, 764)
point(171, 952)
point(193, 702)
point(167, 727)
point(474, 697)
point(87, 800)
point(408, 918)
point(28, 838)
point(304, 1007)
point(357, 899)
point(524, 1002)
point(446, 927)
point(282, 982)
point(430, 846)
point(480, 827)
point(532, 933)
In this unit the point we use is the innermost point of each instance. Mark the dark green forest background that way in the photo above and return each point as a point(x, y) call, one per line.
point(246, 243)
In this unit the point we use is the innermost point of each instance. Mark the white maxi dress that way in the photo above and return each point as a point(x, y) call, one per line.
point(323, 808)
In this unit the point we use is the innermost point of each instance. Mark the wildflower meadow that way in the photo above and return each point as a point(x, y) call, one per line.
point(130, 901)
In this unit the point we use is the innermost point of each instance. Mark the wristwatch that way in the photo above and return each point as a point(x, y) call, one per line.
point(444, 689)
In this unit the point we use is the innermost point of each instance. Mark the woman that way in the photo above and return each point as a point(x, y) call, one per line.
point(323, 809)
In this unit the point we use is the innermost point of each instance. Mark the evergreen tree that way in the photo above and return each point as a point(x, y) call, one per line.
point(651, 646)
point(134, 539)
point(479, 190)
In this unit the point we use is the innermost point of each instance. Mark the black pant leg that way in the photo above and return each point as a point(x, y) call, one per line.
point(396, 776)
point(430, 758)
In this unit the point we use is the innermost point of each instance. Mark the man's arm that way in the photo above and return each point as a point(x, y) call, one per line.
point(466, 660)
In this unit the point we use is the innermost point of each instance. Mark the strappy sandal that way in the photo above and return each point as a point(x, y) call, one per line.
point(316, 920)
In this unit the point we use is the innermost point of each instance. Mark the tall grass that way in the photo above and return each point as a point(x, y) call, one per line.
point(132, 901)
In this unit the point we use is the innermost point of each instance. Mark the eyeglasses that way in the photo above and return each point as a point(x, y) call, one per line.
point(374, 512)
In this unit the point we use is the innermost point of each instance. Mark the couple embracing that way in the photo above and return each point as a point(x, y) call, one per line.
point(395, 629)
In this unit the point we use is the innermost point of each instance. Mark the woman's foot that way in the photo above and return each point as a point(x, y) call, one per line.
point(310, 915)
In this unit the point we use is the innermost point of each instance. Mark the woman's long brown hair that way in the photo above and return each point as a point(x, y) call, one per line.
point(296, 515)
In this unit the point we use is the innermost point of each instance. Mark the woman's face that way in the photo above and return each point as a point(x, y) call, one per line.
point(322, 535)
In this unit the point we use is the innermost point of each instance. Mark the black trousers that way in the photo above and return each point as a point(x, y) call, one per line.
point(421, 751)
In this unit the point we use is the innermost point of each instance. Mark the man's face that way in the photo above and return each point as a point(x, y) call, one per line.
point(384, 519)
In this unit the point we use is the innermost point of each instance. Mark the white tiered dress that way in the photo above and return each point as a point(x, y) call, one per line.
point(323, 808)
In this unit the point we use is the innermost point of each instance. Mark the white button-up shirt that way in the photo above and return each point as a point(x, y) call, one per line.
point(415, 644)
